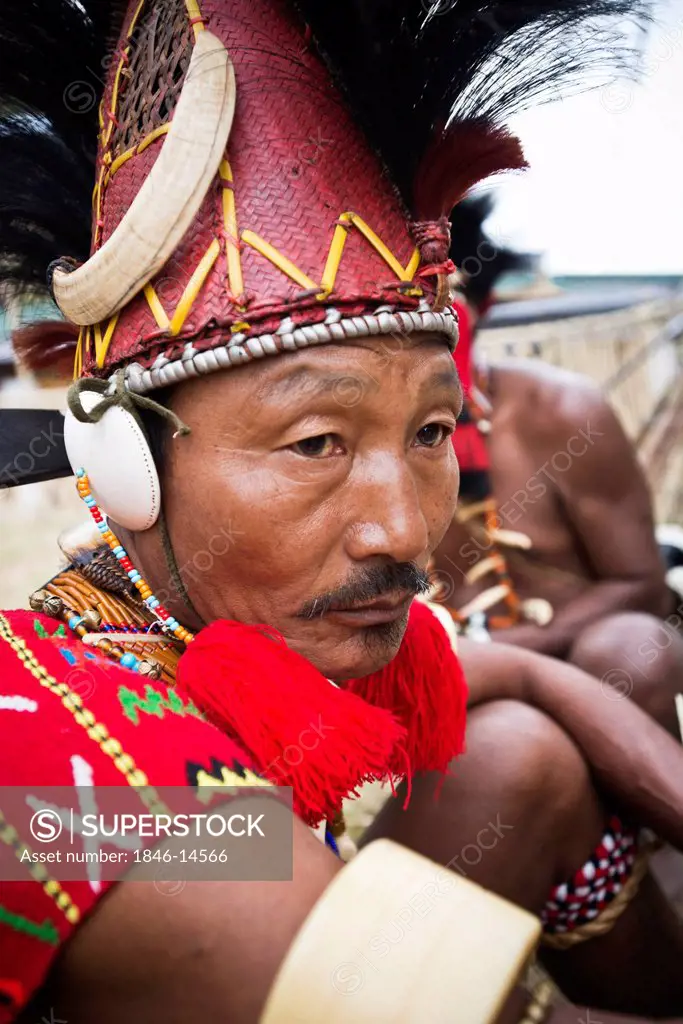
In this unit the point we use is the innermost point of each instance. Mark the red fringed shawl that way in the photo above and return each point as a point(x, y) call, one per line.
point(407, 718)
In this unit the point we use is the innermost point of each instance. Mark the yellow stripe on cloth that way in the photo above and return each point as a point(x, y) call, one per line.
point(51, 887)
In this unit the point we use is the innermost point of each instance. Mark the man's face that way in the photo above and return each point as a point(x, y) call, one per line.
point(311, 492)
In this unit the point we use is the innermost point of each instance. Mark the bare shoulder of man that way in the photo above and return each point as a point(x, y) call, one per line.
point(553, 402)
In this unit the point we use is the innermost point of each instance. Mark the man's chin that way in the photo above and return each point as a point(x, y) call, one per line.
point(360, 652)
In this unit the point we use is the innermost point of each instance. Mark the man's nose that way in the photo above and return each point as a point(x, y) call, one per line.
point(390, 521)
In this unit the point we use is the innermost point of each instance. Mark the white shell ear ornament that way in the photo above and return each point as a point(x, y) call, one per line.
point(103, 437)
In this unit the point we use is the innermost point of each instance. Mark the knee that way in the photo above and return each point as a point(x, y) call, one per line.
point(517, 814)
point(611, 640)
point(638, 656)
point(535, 771)
point(528, 758)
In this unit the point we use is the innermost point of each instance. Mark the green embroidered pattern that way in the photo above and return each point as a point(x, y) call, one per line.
point(43, 633)
point(154, 703)
point(45, 932)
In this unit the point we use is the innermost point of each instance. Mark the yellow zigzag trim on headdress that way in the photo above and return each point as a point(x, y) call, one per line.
point(106, 130)
point(163, 129)
point(82, 346)
point(102, 343)
point(187, 299)
point(108, 167)
point(232, 243)
point(334, 257)
point(281, 262)
point(339, 241)
point(195, 16)
point(174, 324)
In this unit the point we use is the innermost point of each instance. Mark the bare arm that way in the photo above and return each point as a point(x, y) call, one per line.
point(606, 501)
point(632, 758)
point(208, 953)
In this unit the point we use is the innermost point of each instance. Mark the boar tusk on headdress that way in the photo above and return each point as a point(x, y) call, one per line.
point(169, 199)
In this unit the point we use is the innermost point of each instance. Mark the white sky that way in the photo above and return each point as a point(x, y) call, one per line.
point(605, 191)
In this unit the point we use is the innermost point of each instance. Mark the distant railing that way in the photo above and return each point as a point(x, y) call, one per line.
point(633, 353)
point(672, 334)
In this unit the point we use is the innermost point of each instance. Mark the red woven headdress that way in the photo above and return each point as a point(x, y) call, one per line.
point(300, 231)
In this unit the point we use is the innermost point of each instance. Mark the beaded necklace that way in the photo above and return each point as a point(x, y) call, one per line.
point(488, 534)
point(153, 603)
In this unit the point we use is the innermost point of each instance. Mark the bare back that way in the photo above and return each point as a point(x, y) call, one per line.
point(564, 474)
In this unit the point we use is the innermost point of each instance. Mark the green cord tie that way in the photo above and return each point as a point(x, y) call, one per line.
point(121, 397)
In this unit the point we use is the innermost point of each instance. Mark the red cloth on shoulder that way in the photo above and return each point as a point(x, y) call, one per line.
point(141, 727)
point(469, 444)
point(463, 355)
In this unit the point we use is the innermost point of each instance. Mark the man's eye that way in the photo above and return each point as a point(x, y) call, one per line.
point(433, 435)
point(317, 447)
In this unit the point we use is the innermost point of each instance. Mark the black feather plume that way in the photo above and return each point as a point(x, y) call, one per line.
point(52, 69)
point(418, 71)
point(52, 62)
point(416, 75)
point(44, 200)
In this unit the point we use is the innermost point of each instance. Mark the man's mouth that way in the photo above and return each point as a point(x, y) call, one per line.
point(381, 610)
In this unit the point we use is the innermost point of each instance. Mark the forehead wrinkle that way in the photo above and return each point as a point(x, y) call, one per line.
point(309, 380)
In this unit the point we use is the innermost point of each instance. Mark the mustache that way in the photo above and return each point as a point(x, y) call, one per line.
point(368, 584)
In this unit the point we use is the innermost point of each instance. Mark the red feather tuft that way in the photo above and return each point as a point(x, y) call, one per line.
point(470, 449)
point(468, 153)
point(47, 346)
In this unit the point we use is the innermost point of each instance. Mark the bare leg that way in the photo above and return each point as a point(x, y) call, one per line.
point(520, 815)
point(640, 657)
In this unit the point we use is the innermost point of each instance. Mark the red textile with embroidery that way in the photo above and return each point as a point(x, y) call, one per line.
point(127, 731)
point(44, 743)
point(408, 717)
